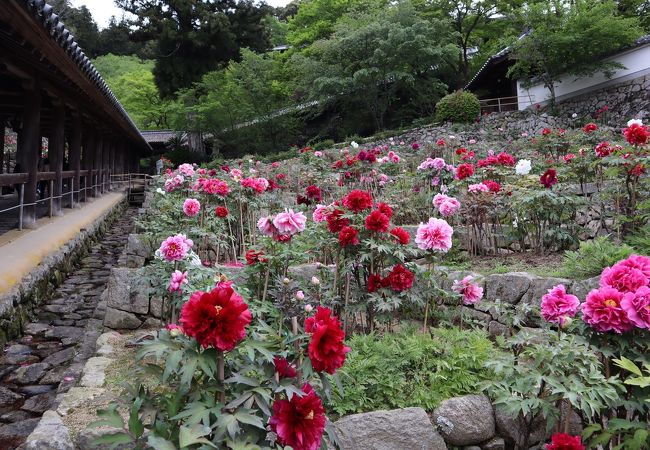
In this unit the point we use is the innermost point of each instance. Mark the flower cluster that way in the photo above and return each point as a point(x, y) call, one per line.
point(175, 248)
point(283, 226)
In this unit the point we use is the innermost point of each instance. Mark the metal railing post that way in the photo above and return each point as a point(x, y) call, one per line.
point(51, 206)
point(21, 195)
point(71, 193)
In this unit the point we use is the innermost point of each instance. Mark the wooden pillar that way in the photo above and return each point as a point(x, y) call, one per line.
point(106, 162)
point(97, 164)
point(56, 149)
point(30, 149)
point(2, 144)
point(74, 154)
point(112, 162)
point(88, 160)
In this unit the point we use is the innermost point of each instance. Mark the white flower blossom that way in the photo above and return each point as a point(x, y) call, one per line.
point(354, 144)
point(523, 167)
point(574, 115)
point(634, 121)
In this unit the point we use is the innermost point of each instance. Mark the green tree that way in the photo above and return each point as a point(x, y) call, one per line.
point(115, 39)
point(374, 61)
point(569, 39)
point(131, 80)
point(81, 24)
point(193, 38)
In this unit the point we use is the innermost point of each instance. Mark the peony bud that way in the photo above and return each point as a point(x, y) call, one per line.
point(286, 280)
point(300, 295)
point(308, 308)
point(315, 281)
point(565, 322)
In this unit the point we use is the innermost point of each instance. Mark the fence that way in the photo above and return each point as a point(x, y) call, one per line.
point(71, 195)
point(499, 104)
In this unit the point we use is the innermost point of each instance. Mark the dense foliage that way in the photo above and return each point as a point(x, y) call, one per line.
point(459, 106)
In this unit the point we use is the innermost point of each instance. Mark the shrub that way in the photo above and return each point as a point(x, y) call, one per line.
point(410, 368)
point(640, 240)
point(593, 256)
point(324, 145)
point(459, 106)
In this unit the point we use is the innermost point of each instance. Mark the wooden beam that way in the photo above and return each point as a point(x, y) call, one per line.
point(55, 153)
point(74, 152)
point(29, 144)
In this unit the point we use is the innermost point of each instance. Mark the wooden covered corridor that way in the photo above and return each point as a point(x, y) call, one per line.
point(50, 89)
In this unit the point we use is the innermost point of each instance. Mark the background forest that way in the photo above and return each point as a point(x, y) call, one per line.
point(256, 79)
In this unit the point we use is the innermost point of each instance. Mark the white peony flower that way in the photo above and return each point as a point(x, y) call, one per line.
point(160, 191)
point(574, 115)
point(523, 167)
point(634, 121)
point(354, 144)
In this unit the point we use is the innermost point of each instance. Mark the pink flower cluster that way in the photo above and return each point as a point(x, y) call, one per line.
point(472, 293)
point(259, 185)
point(191, 207)
point(175, 248)
point(186, 169)
point(212, 186)
point(177, 281)
point(174, 182)
point(447, 206)
point(283, 226)
point(557, 305)
point(434, 235)
point(433, 163)
point(478, 187)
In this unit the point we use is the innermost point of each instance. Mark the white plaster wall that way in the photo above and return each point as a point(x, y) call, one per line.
point(636, 61)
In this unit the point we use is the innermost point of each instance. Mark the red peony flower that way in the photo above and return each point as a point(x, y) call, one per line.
point(603, 149)
point(283, 368)
point(299, 422)
point(374, 282)
point(400, 278)
point(403, 236)
point(637, 170)
point(546, 131)
point(493, 186)
point(590, 127)
point(313, 193)
point(221, 211)
point(637, 134)
point(253, 257)
point(217, 318)
point(385, 209)
point(549, 178)
point(326, 348)
point(561, 441)
point(505, 159)
point(348, 236)
point(464, 170)
point(358, 201)
point(377, 221)
point(336, 222)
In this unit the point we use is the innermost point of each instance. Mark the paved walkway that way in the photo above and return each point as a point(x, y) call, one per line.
point(21, 251)
point(49, 358)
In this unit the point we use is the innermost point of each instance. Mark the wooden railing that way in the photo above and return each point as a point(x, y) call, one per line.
point(499, 104)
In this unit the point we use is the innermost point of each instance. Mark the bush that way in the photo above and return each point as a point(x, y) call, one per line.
point(410, 368)
point(593, 256)
point(323, 145)
point(459, 106)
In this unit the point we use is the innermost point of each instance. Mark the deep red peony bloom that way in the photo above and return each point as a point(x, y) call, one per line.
point(493, 186)
point(549, 178)
point(385, 209)
point(326, 348)
point(636, 134)
point(590, 127)
point(377, 221)
point(603, 149)
point(400, 278)
point(561, 441)
point(505, 159)
point(336, 222)
point(348, 236)
point(313, 193)
point(299, 422)
point(546, 131)
point(374, 282)
point(464, 170)
point(358, 201)
point(221, 211)
point(217, 318)
point(253, 257)
point(403, 236)
point(283, 368)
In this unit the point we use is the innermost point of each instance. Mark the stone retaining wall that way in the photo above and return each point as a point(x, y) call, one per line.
point(17, 305)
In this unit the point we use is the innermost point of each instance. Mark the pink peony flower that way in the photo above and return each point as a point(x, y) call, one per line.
point(479, 187)
point(602, 311)
point(186, 169)
point(623, 277)
point(439, 199)
point(434, 235)
point(449, 207)
point(177, 280)
point(191, 207)
point(290, 222)
point(557, 304)
point(638, 262)
point(175, 248)
point(320, 213)
point(637, 307)
point(471, 292)
point(266, 227)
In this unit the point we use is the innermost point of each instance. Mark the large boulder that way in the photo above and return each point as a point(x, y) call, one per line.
point(50, 434)
point(508, 287)
point(465, 420)
point(514, 430)
point(388, 430)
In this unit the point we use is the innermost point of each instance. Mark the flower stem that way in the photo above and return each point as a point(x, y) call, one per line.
point(221, 376)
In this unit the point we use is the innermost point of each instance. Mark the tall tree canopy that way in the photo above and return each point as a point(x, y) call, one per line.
point(194, 37)
point(569, 39)
point(81, 24)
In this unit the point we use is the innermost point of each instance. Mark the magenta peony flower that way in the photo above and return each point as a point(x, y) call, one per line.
point(177, 281)
point(434, 235)
point(471, 292)
point(623, 277)
point(557, 305)
point(175, 248)
point(449, 207)
point(191, 207)
point(602, 311)
point(290, 222)
point(637, 307)
point(638, 262)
